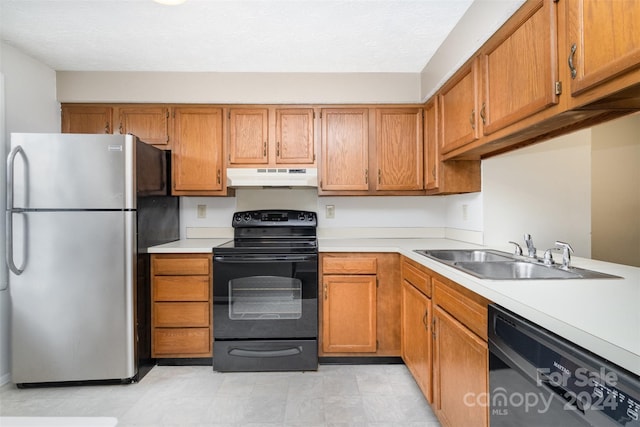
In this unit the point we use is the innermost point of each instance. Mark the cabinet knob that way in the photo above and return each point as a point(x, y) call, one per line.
point(472, 119)
point(483, 113)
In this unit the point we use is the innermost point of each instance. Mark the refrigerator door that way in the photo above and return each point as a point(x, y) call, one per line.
point(73, 306)
point(71, 171)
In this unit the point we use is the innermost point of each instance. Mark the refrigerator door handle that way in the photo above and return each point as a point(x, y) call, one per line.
point(10, 210)
point(11, 159)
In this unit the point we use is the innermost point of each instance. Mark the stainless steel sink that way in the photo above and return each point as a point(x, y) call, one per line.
point(497, 265)
point(465, 255)
point(513, 270)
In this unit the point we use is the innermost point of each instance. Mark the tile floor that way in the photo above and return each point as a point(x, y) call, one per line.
point(335, 395)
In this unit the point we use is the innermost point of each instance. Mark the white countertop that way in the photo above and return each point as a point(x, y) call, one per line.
point(601, 315)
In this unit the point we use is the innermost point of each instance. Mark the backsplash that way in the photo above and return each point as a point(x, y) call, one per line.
point(412, 216)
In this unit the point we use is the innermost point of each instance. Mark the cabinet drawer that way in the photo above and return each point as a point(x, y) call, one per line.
point(180, 266)
point(418, 278)
point(470, 310)
point(349, 265)
point(181, 314)
point(181, 341)
point(181, 288)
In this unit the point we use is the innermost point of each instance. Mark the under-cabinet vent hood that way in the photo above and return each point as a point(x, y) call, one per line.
point(272, 177)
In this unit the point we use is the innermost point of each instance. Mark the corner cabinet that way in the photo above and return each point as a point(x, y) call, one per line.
point(181, 317)
point(360, 304)
point(445, 177)
point(198, 166)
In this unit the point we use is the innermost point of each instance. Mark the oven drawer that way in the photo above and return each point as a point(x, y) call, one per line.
point(173, 314)
point(265, 355)
point(182, 342)
point(181, 288)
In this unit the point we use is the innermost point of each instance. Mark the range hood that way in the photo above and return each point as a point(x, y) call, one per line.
point(272, 177)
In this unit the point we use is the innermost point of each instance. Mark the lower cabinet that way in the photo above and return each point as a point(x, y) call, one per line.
point(460, 356)
point(359, 299)
point(444, 345)
point(416, 325)
point(181, 317)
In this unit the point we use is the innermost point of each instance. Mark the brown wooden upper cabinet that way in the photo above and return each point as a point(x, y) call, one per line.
point(603, 42)
point(150, 124)
point(198, 151)
point(519, 68)
point(271, 136)
point(345, 149)
point(294, 136)
point(369, 150)
point(86, 119)
point(459, 108)
point(248, 136)
point(431, 146)
point(399, 148)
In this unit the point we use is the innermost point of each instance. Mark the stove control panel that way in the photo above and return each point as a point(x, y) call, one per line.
point(274, 218)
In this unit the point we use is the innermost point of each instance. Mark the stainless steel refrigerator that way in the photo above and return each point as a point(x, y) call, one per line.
point(81, 212)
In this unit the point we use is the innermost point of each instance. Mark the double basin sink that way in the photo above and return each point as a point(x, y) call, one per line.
point(497, 265)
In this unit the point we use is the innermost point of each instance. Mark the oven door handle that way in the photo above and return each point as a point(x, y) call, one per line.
point(285, 352)
point(238, 259)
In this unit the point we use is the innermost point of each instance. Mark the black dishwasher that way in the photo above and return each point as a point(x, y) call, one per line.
point(537, 378)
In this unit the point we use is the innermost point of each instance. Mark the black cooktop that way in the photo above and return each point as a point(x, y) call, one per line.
point(272, 231)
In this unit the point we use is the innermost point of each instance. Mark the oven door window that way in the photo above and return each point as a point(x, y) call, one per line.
point(265, 298)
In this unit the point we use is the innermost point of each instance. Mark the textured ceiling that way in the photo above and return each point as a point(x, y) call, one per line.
point(231, 35)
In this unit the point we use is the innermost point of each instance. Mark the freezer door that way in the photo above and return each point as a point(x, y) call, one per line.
point(71, 171)
point(73, 306)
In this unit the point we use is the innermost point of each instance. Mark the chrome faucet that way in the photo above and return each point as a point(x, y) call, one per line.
point(566, 254)
point(518, 249)
point(530, 248)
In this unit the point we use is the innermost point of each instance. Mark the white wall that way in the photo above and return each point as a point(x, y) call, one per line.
point(238, 88)
point(29, 106)
point(615, 204)
point(544, 190)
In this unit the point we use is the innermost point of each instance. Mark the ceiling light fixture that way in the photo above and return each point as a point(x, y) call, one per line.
point(170, 2)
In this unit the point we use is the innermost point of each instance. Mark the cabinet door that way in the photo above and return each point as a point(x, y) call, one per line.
point(345, 149)
point(520, 68)
point(150, 124)
point(349, 314)
point(85, 119)
point(399, 149)
point(459, 110)
point(604, 38)
point(197, 153)
point(248, 136)
point(431, 148)
point(460, 369)
point(416, 336)
point(294, 136)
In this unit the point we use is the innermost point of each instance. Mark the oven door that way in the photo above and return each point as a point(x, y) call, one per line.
point(265, 296)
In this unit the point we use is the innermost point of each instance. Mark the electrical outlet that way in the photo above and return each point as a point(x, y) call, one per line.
point(330, 211)
point(202, 211)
